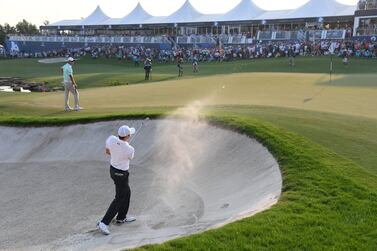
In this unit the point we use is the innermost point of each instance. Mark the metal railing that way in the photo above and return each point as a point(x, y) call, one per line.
point(196, 39)
point(92, 39)
point(366, 32)
point(302, 35)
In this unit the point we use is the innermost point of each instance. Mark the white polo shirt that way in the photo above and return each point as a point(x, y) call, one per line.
point(121, 153)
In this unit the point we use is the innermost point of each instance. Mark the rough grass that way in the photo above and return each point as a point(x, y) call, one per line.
point(355, 138)
point(322, 206)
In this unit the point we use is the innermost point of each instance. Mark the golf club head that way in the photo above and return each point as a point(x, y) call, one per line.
point(146, 119)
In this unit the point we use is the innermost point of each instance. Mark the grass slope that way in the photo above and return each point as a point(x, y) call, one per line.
point(322, 207)
point(354, 138)
point(328, 202)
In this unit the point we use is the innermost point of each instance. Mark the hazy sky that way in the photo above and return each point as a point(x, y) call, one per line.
point(36, 11)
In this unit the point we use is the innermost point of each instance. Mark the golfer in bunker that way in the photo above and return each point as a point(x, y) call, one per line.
point(121, 152)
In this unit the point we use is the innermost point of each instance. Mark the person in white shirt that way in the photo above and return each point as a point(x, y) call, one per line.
point(121, 152)
point(70, 85)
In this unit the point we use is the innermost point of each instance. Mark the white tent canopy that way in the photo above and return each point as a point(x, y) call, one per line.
point(186, 14)
point(321, 8)
point(273, 15)
point(137, 16)
point(112, 21)
point(245, 10)
point(154, 20)
point(209, 18)
point(348, 11)
point(75, 22)
point(98, 17)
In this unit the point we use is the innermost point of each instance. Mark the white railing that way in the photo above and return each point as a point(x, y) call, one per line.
point(302, 35)
point(92, 39)
point(366, 32)
point(223, 39)
point(195, 39)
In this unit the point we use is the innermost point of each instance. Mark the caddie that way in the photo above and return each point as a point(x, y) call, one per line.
point(70, 85)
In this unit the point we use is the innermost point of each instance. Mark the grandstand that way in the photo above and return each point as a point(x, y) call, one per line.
point(244, 24)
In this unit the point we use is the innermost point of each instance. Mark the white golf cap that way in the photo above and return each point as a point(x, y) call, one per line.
point(125, 131)
point(71, 59)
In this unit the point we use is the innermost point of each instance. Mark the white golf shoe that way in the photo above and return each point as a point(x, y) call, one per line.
point(126, 220)
point(77, 109)
point(103, 228)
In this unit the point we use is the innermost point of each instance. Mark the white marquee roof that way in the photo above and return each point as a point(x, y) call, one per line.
point(208, 18)
point(272, 15)
point(348, 11)
point(112, 21)
point(246, 10)
point(322, 8)
point(155, 20)
point(96, 18)
point(67, 23)
point(186, 14)
point(137, 16)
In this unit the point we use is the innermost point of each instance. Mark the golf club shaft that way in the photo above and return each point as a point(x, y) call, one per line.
point(138, 131)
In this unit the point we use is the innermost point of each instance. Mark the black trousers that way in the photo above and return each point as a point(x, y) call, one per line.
point(119, 206)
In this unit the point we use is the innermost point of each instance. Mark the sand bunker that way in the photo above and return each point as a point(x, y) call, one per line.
point(6, 89)
point(187, 177)
point(52, 60)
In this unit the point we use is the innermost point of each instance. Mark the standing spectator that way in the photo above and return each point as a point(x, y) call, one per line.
point(291, 56)
point(180, 67)
point(195, 65)
point(148, 68)
point(345, 58)
point(136, 57)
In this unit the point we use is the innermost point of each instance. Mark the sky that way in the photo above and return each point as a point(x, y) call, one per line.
point(37, 11)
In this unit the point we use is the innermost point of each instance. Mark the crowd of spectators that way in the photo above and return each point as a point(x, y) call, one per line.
point(138, 54)
point(367, 4)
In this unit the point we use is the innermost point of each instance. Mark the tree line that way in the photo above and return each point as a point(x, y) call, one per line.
point(23, 27)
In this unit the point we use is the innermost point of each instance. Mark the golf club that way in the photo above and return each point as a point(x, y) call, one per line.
point(138, 130)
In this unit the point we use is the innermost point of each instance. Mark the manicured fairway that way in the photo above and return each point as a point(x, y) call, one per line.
point(262, 89)
point(326, 147)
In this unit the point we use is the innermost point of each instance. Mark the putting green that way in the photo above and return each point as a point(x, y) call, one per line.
point(300, 91)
